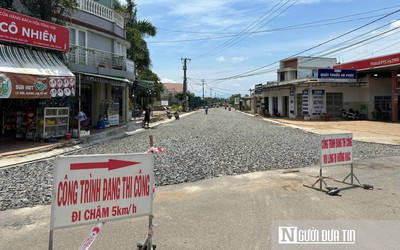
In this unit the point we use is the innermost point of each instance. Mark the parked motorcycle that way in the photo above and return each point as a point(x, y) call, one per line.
point(351, 114)
point(169, 114)
point(176, 114)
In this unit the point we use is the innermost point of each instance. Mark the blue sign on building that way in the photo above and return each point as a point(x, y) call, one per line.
point(337, 75)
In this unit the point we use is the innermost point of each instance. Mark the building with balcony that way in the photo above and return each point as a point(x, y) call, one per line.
point(98, 59)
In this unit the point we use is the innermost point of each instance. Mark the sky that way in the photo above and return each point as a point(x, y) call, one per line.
point(232, 45)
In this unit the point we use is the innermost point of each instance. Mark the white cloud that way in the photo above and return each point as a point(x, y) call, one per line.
point(239, 59)
point(166, 80)
point(395, 24)
point(220, 59)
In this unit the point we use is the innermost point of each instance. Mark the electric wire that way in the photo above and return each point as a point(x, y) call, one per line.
point(241, 35)
point(251, 72)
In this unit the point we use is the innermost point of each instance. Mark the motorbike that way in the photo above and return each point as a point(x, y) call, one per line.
point(169, 114)
point(351, 114)
point(176, 114)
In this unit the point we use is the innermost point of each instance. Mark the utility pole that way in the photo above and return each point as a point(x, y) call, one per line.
point(203, 87)
point(210, 92)
point(184, 64)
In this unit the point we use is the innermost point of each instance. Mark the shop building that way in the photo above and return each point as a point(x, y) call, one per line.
point(313, 87)
point(169, 93)
point(99, 61)
point(36, 88)
point(382, 75)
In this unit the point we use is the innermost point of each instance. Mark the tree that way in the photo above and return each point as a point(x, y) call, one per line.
point(231, 99)
point(53, 11)
point(136, 32)
point(189, 96)
point(6, 4)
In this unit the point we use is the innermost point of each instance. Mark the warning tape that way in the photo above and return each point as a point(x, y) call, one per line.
point(91, 237)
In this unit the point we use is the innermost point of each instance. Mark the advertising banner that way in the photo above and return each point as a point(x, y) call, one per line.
point(305, 101)
point(291, 102)
point(337, 75)
point(258, 88)
point(90, 189)
point(377, 62)
point(21, 86)
point(318, 101)
point(18, 28)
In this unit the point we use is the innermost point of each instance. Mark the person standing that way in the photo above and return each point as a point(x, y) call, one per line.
point(206, 109)
point(146, 121)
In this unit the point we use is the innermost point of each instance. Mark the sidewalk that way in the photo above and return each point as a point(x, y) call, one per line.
point(363, 130)
point(13, 152)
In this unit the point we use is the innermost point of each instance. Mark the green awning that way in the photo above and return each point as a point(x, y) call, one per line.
point(103, 78)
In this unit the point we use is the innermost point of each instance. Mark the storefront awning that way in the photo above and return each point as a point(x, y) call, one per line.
point(103, 78)
point(30, 74)
point(24, 61)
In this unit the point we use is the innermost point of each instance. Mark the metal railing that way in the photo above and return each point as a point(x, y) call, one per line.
point(101, 11)
point(96, 58)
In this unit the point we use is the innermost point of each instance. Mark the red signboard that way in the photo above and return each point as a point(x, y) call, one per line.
point(377, 62)
point(19, 28)
point(35, 87)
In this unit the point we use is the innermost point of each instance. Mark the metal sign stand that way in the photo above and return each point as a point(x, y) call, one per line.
point(352, 176)
point(148, 244)
point(51, 239)
point(320, 180)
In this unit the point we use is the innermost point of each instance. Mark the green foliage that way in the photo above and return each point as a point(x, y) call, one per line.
point(189, 95)
point(53, 11)
point(6, 4)
point(231, 99)
point(177, 108)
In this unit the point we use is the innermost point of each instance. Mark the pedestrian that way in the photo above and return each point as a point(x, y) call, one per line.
point(146, 120)
point(206, 109)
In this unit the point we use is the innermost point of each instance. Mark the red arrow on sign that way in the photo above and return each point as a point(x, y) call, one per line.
point(111, 165)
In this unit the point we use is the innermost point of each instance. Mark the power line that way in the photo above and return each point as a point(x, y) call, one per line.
point(252, 72)
point(242, 35)
point(324, 22)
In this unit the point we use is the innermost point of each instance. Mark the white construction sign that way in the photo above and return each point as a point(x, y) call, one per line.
point(96, 188)
point(336, 149)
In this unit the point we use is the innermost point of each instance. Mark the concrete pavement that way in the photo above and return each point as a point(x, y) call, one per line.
point(232, 212)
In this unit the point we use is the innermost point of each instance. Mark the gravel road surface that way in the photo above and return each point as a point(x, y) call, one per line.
point(197, 147)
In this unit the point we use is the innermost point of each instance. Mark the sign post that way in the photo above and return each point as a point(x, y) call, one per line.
point(336, 149)
point(91, 189)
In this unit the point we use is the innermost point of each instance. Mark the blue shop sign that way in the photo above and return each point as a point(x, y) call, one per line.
point(337, 75)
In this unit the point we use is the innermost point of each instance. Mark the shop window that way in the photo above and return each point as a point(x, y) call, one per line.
point(383, 103)
point(77, 39)
point(383, 108)
point(282, 76)
point(275, 105)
